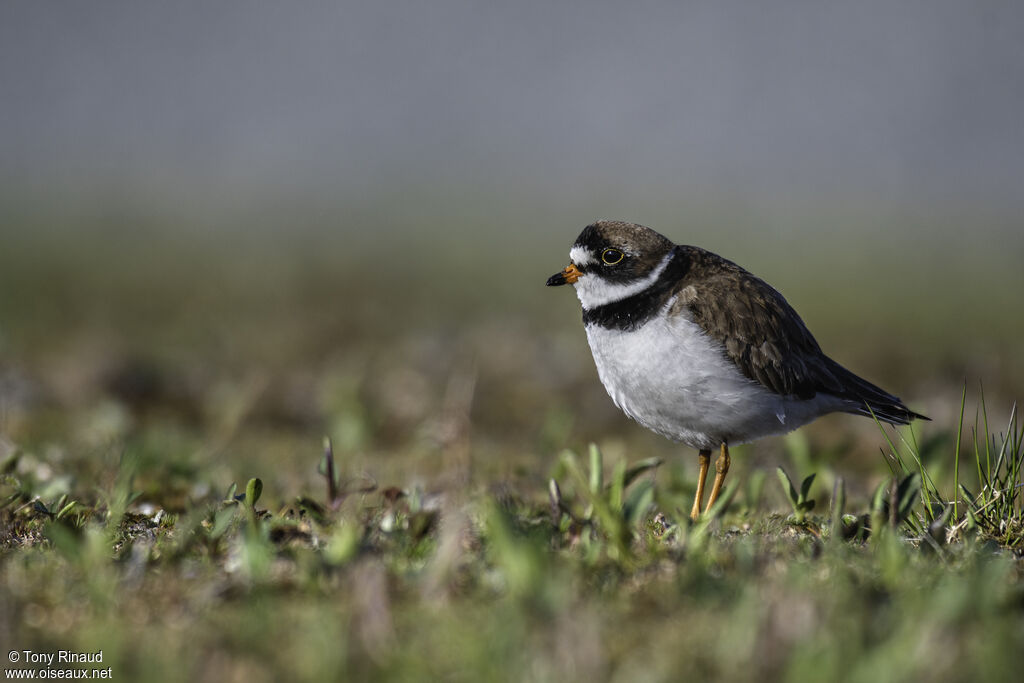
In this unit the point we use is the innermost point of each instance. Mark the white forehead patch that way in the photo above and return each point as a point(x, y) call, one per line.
point(581, 256)
point(594, 291)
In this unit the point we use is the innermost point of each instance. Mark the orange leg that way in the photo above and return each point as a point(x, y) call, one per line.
point(704, 458)
point(721, 469)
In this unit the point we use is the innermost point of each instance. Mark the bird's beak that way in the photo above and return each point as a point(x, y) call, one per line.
point(568, 276)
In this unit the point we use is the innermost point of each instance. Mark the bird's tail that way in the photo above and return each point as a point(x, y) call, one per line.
point(872, 401)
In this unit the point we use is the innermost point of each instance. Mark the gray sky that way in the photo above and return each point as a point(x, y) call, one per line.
point(910, 101)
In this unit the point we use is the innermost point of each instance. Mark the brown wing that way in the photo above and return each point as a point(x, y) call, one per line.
point(762, 333)
point(768, 341)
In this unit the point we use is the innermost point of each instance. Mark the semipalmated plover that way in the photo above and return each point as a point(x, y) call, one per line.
point(697, 349)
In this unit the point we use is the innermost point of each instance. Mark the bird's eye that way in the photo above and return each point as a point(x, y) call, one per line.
point(612, 256)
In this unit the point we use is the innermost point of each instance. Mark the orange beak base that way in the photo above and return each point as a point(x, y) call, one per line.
point(568, 276)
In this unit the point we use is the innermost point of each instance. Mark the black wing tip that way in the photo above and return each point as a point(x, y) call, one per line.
point(873, 400)
point(894, 413)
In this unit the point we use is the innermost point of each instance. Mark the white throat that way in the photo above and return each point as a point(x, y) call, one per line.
point(594, 291)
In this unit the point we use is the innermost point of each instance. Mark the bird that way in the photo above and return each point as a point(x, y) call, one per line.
point(703, 352)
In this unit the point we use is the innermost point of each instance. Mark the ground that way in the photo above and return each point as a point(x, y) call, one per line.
point(167, 497)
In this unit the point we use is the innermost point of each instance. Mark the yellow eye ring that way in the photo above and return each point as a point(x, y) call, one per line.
point(612, 256)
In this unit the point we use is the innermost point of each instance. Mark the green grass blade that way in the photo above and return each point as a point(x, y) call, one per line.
point(956, 453)
point(596, 470)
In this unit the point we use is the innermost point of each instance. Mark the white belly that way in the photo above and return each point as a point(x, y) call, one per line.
point(669, 376)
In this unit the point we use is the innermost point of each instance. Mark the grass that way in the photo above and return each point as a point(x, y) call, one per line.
point(605, 578)
point(167, 495)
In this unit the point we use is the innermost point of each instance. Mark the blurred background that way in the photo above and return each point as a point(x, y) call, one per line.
point(228, 229)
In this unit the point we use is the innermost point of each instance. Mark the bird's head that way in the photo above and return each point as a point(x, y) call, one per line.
point(612, 260)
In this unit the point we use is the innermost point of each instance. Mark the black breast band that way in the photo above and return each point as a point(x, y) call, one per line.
point(633, 311)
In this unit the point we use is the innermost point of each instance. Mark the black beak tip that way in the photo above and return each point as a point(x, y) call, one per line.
point(556, 280)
